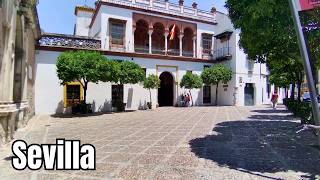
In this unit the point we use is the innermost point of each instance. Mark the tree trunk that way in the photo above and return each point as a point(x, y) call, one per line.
point(217, 87)
point(191, 98)
point(299, 91)
point(85, 92)
point(150, 99)
point(293, 91)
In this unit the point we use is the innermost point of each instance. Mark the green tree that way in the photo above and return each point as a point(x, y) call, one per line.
point(81, 66)
point(266, 27)
point(215, 75)
point(267, 31)
point(191, 81)
point(152, 82)
point(284, 72)
point(129, 73)
point(123, 72)
point(311, 23)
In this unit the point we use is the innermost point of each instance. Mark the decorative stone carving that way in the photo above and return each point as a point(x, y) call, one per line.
point(56, 40)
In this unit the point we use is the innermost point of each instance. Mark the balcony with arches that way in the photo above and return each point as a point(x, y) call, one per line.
point(159, 36)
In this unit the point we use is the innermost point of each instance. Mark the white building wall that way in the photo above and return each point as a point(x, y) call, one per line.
point(50, 94)
point(95, 30)
point(83, 21)
point(107, 12)
point(258, 77)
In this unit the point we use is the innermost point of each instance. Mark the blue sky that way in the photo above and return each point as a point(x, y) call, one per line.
point(57, 16)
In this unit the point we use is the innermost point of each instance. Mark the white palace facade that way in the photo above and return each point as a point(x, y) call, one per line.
point(138, 31)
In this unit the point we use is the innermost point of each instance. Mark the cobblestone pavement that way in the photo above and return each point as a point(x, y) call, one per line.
point(180, 143)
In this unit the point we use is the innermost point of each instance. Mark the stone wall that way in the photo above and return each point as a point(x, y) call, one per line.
point(18, 35)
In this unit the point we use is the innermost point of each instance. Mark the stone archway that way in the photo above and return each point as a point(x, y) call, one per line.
point(166, 90)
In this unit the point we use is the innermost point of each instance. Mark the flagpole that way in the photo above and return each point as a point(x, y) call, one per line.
point(306, 64)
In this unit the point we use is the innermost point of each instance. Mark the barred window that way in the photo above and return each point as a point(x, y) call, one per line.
point(207, 43)
point(73, 92)
point(117, 31)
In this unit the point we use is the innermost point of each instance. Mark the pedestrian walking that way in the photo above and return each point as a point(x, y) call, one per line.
point(274, 99)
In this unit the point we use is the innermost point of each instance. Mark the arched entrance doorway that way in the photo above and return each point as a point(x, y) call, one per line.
point(165, 92)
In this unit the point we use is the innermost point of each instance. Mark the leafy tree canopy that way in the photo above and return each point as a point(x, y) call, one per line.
point(129, 73)
point(152, 82)
point(216, 74)
point(82, 66)
point(191, 81)
point(266, 27)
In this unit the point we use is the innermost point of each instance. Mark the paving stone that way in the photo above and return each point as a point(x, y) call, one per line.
point(180, 143)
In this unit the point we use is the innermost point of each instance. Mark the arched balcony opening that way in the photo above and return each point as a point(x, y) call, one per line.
point(187, 41)
point(158, 39)
point(141, 37)
point(174, 41)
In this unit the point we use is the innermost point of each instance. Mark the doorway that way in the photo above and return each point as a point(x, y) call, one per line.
point(165, 92)
point(117, 95)
point(249, 95)
point(206, 94)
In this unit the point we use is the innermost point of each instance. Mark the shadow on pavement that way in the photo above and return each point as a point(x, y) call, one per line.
point(269, 111)
point(256, 146)
point(88, 115)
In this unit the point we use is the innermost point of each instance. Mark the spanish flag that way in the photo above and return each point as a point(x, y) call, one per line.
point(173, 33)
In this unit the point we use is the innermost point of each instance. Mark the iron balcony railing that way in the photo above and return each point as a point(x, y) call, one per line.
point(173, 52)
point(160, 51)
point(222, 53)
point(68, 41)
point(187, 53)
point(168, 8)
point(141, 49)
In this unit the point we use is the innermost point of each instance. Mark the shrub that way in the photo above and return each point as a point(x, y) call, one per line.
point(299, 109)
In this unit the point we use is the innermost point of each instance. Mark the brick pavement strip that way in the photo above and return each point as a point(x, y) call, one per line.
point(180, 143)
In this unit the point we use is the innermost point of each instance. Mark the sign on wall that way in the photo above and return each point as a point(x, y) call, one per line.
point(304, 5)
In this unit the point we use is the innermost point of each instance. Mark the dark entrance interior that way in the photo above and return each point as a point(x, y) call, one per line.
point(165, 92)
point(249, 95)
point(117, 94)
point(207, 94)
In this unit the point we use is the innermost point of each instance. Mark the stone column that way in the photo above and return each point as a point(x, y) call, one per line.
point(194, 46)
point(195, 7)
point(181, 48)
point(213, 44)
point(181, 3)
point(133, 1)
point(167, 4)
point(151, 3)
point(133, 43)
point(150, 40)
point(166, 34)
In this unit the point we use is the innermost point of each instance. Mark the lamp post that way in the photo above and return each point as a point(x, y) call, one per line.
point(306, 63)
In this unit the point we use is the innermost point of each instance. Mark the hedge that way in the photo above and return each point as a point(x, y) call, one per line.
point(299, 109)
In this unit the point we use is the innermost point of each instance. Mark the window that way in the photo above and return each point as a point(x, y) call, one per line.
point(207, 43)
point(117, 32)
point(206, 94)
point(73, 94)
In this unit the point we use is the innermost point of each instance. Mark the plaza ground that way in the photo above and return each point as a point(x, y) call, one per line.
point(180, 143)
